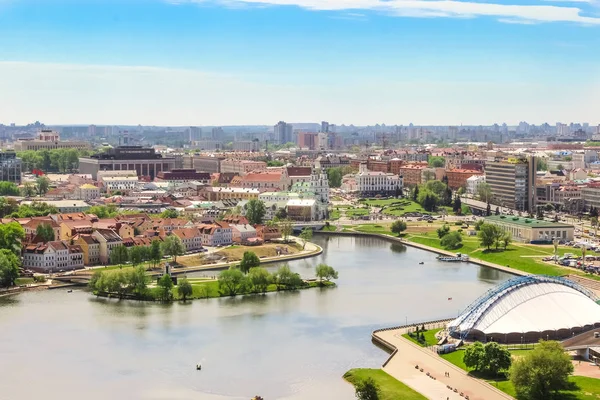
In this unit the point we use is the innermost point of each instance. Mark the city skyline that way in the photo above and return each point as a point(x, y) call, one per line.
point(248, 62)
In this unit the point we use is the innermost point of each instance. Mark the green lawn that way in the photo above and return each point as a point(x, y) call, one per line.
point(390, 388)
point(589, 388)
point(24, 281)
point(429, 335)
point(373, 228)
point(204, 289)
point(356, 212)
point(329, 228)
point(334, 214)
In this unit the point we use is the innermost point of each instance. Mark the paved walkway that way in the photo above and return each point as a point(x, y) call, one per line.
point(402, 367)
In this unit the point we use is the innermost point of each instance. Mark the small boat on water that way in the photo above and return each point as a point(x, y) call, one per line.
point(421, 263)
point(459, 257)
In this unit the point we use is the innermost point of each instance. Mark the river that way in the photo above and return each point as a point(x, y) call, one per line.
point(281, 345)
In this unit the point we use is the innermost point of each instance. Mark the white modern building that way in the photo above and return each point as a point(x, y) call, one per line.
point(377, 183)
point(474, 182)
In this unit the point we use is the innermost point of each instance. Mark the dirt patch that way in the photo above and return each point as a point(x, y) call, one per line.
point(235, 253)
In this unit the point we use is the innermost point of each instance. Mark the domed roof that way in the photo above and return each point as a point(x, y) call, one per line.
point(530, 304)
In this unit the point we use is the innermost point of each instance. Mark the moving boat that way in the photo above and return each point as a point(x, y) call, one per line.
point(421, 263)
point(459, 257)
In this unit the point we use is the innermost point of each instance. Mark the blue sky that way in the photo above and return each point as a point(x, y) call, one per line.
point(181, 62)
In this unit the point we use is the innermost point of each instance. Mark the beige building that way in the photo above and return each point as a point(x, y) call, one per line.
point(242, 167)
point(221, 193)
point(87, 192)
point(528, 230)
point(49, 140)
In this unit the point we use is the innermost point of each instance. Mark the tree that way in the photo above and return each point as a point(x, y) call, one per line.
point(415, 193)
point(136, 255)
point(438, 188)
point(9, 189)
point(306, 235)
point(484, 192)
point(397, 192)
point(11, 235)
point(45, 232)
point(231, 281)
point(594, 212)
point(457, 205)
point(173, 247)
point(284, 277)
point(489, 359)
point(506, 239)
point(447, 197)
point(184, 287)
point(560, 167)
point(496, 358)
point(461, 190)
point(334, 175)
point(255, 211)
point(542, 372)
point(7, 206)
point(104, 211)
point(28, 189)
point(542, 164)
point(42, 184)
point(281, 213)
point(9, 267)
point(436, 162)
point(398, 227)
point(367, 389)
point(324, 271)
point(35, 209)
point(165, 284)
point(259, 279)
point(138, 280)
point(119, 255)
point(169, 213)
point(156, 253)
point(489, 234)
point(443, 231)
point(452, 240)
point(286, 229)
point(249, 260)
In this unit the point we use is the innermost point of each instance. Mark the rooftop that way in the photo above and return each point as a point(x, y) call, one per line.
point(530, 222)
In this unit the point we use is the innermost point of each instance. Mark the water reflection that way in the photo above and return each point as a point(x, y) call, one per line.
point(398, 248)
point(286, 345)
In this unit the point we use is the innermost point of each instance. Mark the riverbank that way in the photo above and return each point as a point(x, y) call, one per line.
point(390, 388)
point(209, 289)
point(396, 239)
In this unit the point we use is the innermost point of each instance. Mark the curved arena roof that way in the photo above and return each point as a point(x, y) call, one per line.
point(529, 304)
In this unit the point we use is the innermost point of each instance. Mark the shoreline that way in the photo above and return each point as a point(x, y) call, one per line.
point(477, 261)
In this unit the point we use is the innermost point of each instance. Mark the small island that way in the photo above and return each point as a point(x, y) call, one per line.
point(246, 278)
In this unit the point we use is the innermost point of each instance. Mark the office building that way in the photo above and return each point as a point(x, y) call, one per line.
point(512, 182)
point(145, 161)
point(217, 133)
point(283, 133)
point(194, 134)
point(203, 163)
point(10, 167)
point(307, 140)
point(49, 140)
point(246, 145)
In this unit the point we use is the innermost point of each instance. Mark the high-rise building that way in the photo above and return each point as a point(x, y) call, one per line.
point(307, 140)
point(92, 130)
point(194, 134)
point(512, 182)
point(324, 126)
point(10, 167)
point(283, 132)
point(217, 133)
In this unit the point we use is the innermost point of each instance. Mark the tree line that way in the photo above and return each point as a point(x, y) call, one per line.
point(56, 160)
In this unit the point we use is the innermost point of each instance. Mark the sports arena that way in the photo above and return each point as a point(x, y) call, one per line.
point(527, 309)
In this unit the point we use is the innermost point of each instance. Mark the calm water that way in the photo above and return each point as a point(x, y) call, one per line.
point(281, 346)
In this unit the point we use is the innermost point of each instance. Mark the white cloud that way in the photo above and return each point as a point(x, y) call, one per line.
point(437, 8)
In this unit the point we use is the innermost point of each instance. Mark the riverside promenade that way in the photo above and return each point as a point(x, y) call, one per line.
point(406, 355)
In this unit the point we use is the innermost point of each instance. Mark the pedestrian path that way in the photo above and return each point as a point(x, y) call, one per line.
point(402, 367)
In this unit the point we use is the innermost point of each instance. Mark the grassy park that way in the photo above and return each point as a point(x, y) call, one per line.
point(390, 388)
point(429, 336)
point(585, 388)
point(522, 257)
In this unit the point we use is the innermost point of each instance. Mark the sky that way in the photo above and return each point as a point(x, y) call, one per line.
point(245, 62)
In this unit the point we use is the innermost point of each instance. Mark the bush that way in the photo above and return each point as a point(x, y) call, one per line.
point(443, 231)
point(452, 240)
